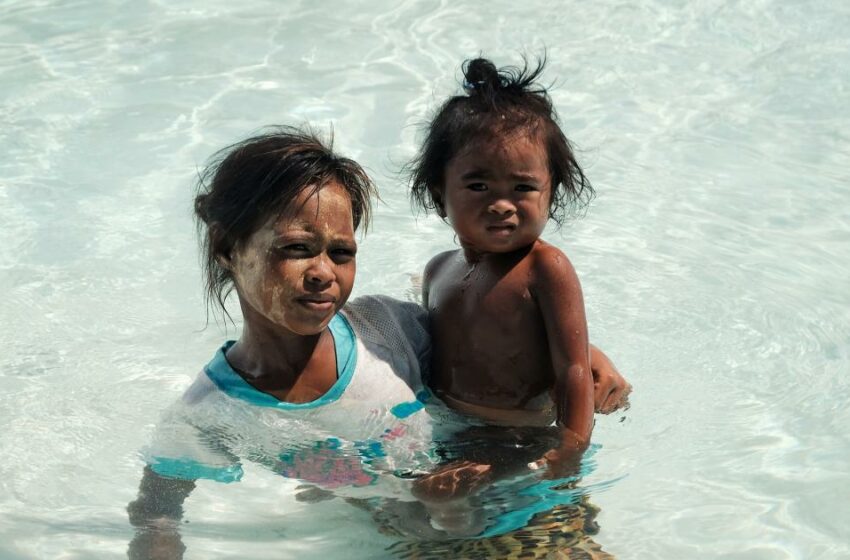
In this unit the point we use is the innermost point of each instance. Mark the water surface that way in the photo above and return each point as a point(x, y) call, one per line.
point(715, 259)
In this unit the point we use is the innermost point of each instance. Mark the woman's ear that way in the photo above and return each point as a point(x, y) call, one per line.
point(223, 254)
point(224, 261)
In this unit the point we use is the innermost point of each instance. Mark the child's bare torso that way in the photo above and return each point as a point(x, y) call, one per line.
point(491, 354)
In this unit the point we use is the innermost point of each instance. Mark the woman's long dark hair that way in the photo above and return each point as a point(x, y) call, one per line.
point(243, 185)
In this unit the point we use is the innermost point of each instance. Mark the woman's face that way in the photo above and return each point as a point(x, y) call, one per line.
point(297, 270)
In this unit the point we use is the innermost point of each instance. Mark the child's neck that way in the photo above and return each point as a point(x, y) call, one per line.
point(473, 256)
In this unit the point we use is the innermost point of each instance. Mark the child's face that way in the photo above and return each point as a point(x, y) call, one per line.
point(497, 192)
point(298, 269)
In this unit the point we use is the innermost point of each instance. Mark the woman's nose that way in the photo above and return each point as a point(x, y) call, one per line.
point(320, 271)
point(501, 207)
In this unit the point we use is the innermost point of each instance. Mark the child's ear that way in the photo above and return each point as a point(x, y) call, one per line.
point(437, 197)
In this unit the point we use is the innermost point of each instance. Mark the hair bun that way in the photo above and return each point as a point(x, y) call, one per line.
point(480, 75)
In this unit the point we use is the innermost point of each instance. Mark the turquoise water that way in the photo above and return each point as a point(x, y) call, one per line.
point(715, 260)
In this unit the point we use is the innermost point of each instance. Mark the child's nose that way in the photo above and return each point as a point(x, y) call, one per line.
point(501, 207)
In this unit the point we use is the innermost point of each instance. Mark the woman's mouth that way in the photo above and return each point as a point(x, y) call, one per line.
point(317, 302)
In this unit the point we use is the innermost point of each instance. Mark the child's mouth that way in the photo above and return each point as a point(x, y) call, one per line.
point(501, 229)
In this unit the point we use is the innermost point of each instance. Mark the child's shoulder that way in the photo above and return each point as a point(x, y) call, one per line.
point(437, 262)
point(550, 264)
point(545, 250)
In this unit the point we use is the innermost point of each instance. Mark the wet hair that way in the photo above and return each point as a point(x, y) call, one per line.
point(498, 102)
point(245, 184)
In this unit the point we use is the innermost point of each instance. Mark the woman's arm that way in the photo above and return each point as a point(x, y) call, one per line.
point(156, 515)
point(610, 389)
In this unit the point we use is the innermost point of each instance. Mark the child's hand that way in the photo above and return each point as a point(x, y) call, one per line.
point(610, 389)
point(564, 461)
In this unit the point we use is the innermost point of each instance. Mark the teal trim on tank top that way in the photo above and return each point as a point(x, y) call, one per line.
point(232, 384)
point(189, 469)
point(405, 409)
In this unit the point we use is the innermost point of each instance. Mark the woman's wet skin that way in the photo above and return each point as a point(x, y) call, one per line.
point(292, 276)
point(297, 270)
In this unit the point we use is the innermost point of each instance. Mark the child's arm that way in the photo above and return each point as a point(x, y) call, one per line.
point(156, 515)
point(557, 290)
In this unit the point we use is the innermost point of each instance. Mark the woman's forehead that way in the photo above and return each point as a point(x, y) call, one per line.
point(313, 207)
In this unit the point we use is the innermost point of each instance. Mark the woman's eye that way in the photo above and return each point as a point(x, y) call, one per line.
point(477, 187)
point(343, 255)
point(294, 249)
point(350, 251)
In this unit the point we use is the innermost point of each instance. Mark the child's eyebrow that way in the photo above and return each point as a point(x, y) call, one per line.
point(525, 177)
point(483, 173)
point(476, 173)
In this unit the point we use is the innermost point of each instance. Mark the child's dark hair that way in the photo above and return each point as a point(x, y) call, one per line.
point(498, 101)
point(247, 183)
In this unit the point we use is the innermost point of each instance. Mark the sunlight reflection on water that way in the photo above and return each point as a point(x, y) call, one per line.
point(714, 260)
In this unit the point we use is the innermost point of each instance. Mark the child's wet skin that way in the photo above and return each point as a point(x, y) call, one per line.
point(507, 313)
point(497, 192)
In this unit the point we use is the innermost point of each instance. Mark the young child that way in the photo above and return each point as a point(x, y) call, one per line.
point(506, 309)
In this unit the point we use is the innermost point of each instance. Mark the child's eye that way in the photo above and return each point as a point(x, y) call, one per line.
point(477, 187)
point(526, 188)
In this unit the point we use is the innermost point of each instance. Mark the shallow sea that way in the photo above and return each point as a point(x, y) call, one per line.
point(715, 259)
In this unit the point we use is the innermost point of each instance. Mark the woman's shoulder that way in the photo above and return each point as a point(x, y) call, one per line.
point(400, 327)
point(201, 389)
point(204, 387)
point(379, 308)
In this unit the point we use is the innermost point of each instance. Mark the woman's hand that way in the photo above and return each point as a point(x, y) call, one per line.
point(453, 481)
point(610, 389)
point(156, 544)
point(156, 515)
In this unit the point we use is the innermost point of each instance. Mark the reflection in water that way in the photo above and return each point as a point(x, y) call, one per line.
point(516, 513)
point(566, 531)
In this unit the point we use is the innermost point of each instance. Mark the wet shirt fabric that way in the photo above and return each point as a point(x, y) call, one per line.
point(373, 421)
